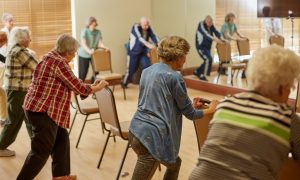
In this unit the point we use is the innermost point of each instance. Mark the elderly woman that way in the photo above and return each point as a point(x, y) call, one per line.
point(252, 133)
point(47, 106)
point(8, 22)
point(3, 98)
point(229, 28)
point(155, 130)
point(18, 73)
point(91, 39)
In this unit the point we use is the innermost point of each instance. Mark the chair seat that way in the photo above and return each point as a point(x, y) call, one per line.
point(124, 127)
point(109, 76)
point(89, 106)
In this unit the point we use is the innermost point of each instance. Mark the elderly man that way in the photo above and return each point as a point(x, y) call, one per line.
point(19, 67)
point(252, 132)
point(47, 108)
point(205, 35)
point(138, 48)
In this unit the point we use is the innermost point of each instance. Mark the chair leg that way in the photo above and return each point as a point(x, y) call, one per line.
point(102, 126)
point(122, 162)
point(73, 122)
point(124, 92)
point(218, 78)
point(85, 120)
point(114, 137)
point(113, 89)
point(103, 151)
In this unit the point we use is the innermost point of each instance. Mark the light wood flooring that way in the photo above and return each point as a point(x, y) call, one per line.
point(84, 159)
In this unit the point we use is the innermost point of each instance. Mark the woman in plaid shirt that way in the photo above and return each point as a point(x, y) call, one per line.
point(17, 76)
point(47, 106)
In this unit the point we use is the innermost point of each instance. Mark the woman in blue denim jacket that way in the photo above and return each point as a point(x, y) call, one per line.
point(155, 130)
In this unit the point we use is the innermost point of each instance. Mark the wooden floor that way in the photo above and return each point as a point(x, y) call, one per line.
point(85, 158)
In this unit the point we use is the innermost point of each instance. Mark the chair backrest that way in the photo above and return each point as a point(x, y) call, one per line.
point(243, 47)
point(279, 40)
point(154, 56)
point(224, 52)
point(201, 128)
point(107, 108)
point(101, 60)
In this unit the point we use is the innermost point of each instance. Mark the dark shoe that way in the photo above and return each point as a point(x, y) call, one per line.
point(203, 78)
point(243, 75)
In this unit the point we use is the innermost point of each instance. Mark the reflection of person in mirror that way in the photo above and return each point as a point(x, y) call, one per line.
point(139, 46)
point(273, 27)
point(229, 30)
point(205, 35)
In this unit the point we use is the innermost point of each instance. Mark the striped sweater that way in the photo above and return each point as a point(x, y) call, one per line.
point(250, 137)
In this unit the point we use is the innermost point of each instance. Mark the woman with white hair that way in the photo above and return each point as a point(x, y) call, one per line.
point(47, 108)
point(8, 22)
point(91, 39)
point(17, 76)
point(252, 132)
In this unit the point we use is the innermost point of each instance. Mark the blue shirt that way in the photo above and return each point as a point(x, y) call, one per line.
point(205, 35)
point(163, 100)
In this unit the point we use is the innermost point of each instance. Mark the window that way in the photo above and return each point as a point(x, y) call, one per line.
point(46, 19)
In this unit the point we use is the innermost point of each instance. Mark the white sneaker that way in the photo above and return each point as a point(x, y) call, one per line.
point(7, 153)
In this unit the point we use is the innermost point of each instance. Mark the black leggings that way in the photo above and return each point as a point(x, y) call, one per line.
point(84, 64)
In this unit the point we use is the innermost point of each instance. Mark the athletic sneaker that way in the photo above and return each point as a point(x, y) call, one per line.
point(7, 153)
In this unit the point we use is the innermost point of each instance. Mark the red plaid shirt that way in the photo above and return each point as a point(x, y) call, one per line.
point(50, 89)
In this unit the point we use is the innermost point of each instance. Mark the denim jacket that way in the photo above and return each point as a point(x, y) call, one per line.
point(157, 122)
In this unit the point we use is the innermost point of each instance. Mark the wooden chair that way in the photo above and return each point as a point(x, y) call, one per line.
point(153, 56)
point(109, 115)
point(102, 69)
point(290, 169)
point(86, 108)
point(225, 61)
point(243, 47)
point(279, 40)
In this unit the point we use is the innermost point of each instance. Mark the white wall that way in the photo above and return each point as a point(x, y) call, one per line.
point(115, 19)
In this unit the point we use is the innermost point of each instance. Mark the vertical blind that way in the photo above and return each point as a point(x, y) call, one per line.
point(46, 19)
point(252, 27)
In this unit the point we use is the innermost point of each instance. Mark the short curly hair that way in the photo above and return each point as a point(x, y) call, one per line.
point(172, 48)
point(272, 67)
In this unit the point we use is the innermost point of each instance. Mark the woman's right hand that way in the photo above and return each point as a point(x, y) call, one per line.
point(98, 85)
point(91, 52)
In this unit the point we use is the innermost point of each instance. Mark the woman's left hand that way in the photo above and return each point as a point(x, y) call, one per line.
point(197, 103)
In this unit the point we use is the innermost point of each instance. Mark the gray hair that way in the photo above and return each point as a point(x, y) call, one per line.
point(65, 44)
point(271, 68)
point(7, 17)
point(19, 35)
